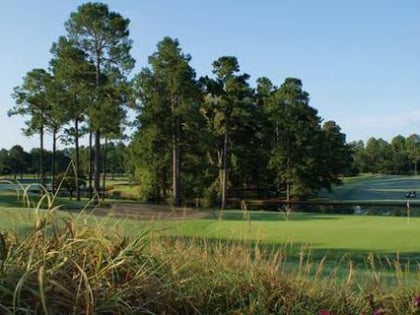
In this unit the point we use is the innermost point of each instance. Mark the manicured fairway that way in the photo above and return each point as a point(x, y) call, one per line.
point(335, 232)
point(377, 234)
point(340, 233)
point(375, 189)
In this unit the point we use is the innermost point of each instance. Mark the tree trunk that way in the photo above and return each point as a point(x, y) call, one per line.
point(288, 171)
point(77, 166)
point(90, 165)
point(104, 169)
point(96, 178)
point(225, 165)
point(175, 157)
point(54, 145)
point(41, 156)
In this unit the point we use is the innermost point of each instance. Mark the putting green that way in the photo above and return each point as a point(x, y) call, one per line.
point(335, 232)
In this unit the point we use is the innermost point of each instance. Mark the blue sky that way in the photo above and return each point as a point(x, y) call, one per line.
point(359, 60)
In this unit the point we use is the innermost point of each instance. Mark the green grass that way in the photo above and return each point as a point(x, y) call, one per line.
point(370, 233)
point(330, 237)
point(317, 231)
point(375, 189)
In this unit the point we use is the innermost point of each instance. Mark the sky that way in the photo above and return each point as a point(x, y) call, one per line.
point(358, 60)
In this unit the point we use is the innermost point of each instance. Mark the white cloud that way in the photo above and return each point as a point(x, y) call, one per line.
point(381, 126)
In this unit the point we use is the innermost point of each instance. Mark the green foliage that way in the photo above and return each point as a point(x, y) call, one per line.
point(103, 37)
point(31, 100)
point(380, 156)
point(18, 160)
point(150, 162)
point(227, 112)
point(304, 156)
point(168, 95)
point(195, 138)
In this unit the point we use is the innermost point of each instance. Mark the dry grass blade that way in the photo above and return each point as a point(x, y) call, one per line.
point(42, 290)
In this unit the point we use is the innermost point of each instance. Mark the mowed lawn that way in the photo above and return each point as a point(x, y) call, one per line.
point(335, 232)
point(377, 234)
point(375, 189)
point(325, 232)
point(341, 233)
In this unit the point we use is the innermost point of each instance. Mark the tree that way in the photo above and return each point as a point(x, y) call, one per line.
point(225, 96)
point(76, 77)
point(295, 154)
point(31, 101)
point(413, 150)
point(168, 94)
point(35, 154)
point(56, 118)
point(18, 160)
point(115, 158)
point(400, 158)
point(336, 157)
point(268, 135)
point(103, 36)
point(357, 149)
point(149, 158)
point(378, 156)
point(5, 166)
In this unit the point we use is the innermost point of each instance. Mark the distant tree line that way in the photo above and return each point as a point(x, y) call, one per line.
point(16, 162)
point(400, 156)
point(197, 138)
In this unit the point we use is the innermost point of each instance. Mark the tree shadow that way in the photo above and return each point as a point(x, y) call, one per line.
point(237, 215)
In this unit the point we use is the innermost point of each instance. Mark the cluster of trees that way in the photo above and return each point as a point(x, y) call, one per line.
point(85, 88)
point(196, 138)
point(208, 137)
point(16, 162)
point(400, 156)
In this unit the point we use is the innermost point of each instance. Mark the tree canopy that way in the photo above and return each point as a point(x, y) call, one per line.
point(203, 140)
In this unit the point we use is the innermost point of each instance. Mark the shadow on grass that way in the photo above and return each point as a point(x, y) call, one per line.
point(237, 215)
point(10, 198)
